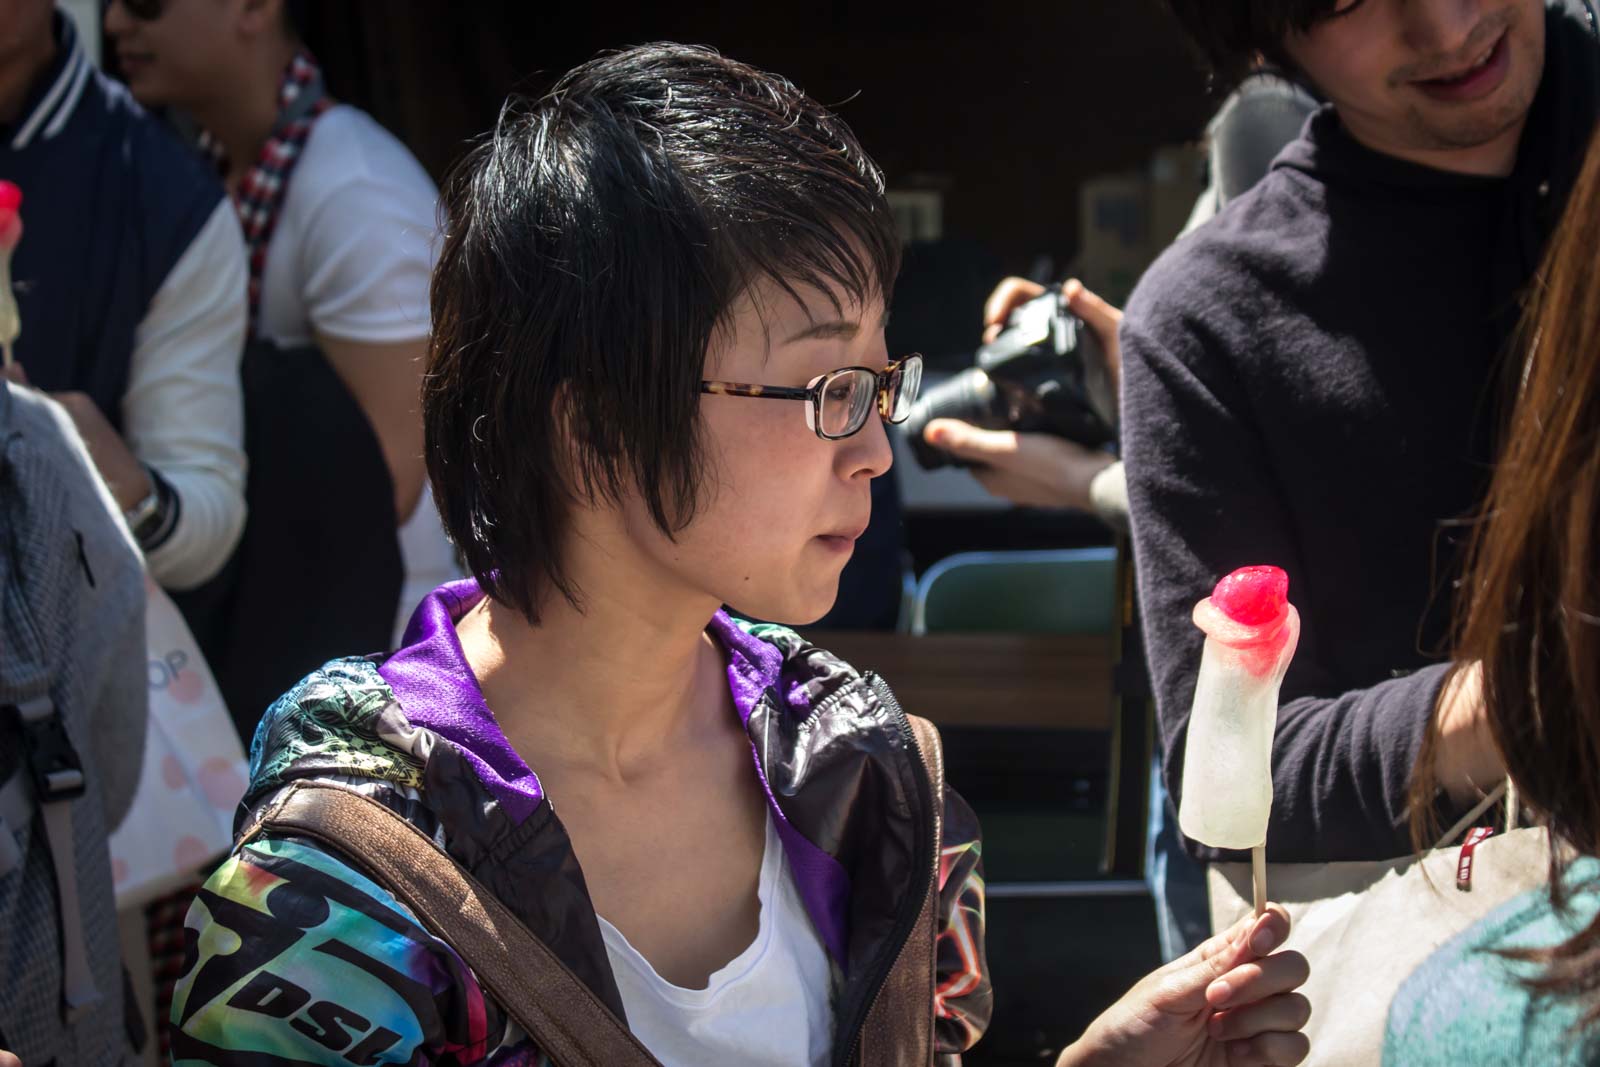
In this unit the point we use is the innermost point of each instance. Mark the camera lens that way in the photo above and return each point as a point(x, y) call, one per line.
point(970, 396)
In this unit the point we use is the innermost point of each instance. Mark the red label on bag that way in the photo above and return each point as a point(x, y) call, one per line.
point(1468, 847)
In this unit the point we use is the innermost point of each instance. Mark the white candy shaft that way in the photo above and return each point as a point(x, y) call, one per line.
point(1227, 760)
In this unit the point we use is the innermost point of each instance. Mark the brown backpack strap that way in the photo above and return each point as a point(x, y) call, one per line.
point(563, 1016)
point(899, 1028)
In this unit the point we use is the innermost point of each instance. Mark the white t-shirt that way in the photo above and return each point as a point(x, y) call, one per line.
point(185, 358)
point(768, 1007)
point(351, 258)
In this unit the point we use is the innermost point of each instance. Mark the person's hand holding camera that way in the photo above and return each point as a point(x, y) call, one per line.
point(1033, 469)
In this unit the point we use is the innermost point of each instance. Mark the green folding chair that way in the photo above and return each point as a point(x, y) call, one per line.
point(1066, 591)
point(1037, 853)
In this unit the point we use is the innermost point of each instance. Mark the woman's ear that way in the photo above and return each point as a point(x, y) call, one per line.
point(569, 443)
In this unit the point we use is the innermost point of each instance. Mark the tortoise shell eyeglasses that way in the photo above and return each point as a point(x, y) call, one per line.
point(840, 402)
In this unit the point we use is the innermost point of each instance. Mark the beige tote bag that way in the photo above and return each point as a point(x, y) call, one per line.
point(1364, 927)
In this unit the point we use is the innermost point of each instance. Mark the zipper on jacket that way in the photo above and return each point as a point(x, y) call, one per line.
point(907, 919)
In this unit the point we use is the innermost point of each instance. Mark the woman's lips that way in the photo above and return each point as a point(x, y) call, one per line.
point(840, 541)
point(1475, 81)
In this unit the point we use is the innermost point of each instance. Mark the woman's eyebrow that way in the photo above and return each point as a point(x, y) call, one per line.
point(832, 330)
point(836, 330)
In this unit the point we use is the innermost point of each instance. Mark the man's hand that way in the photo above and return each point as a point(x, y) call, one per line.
point(1033, 469)
point(8, 1060)
point(1096, 314)
point(1469, 762)
point(123, 474)
point(1229, 1003)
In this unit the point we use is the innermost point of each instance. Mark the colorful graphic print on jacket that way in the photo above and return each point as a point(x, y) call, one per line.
point(296, 957)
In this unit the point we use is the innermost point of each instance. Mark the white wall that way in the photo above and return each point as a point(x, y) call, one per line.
point(86, 14)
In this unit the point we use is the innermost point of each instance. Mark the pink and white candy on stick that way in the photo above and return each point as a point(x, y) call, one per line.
point(10, 234)
point(1251, 631)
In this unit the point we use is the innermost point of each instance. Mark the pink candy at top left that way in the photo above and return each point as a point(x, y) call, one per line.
point(10, 216)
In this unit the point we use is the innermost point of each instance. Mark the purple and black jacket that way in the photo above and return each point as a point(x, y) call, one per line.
point(296, 956)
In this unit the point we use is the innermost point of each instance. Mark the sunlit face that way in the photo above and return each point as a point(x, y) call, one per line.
point(1411, 77)
point(186, 55)
point(782, 508)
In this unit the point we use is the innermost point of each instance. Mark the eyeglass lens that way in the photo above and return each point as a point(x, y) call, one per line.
point(849, 397)
point(904, 384)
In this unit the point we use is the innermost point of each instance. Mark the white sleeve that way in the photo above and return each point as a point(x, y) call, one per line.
point(183, 413)
point(366, 256)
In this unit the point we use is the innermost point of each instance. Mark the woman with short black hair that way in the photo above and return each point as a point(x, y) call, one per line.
point(658, 384)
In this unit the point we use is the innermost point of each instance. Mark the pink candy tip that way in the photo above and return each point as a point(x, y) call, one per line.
point(1252, 596)
point(10, 221)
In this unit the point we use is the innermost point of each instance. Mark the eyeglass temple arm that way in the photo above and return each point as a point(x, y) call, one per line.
point(769, 392)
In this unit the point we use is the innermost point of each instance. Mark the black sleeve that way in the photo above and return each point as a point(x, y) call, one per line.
point(1204, 499)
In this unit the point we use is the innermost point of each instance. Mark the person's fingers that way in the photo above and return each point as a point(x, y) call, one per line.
point(1284, 1013)
point(1250, 937)
point(1269, 1050)
point(966, 441)
point(8, 1060)
point(1102, 317)
point(1009, 295)
point(1188, 980)
point(1258, 980)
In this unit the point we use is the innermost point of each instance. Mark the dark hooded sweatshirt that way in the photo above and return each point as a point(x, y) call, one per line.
point(1315, 380)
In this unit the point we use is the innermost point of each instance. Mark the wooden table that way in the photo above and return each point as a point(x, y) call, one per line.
point(1029, 680)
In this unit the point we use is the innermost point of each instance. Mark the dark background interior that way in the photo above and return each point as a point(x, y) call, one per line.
point(1005, 107)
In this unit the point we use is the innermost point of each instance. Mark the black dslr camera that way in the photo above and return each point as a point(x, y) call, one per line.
point(1046, 372)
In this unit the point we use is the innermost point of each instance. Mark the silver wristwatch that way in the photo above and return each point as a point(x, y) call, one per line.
point(145, 519)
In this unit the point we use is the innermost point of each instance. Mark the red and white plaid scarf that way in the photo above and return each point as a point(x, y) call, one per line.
point(301, 99)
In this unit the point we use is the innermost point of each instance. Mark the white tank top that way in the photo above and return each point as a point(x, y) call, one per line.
point(768, 1007)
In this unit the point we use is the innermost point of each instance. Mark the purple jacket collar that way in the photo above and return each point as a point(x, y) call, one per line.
point(437, 690)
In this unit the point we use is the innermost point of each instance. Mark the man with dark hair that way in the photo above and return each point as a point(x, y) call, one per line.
point(1312, 380)
point(338, 217)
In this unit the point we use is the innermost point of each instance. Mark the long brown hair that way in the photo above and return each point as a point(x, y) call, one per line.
point(1529, 610)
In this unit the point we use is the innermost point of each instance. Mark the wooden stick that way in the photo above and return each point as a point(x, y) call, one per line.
point(1258, 876)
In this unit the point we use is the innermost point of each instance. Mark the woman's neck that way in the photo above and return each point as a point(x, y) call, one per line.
point(610, 689)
